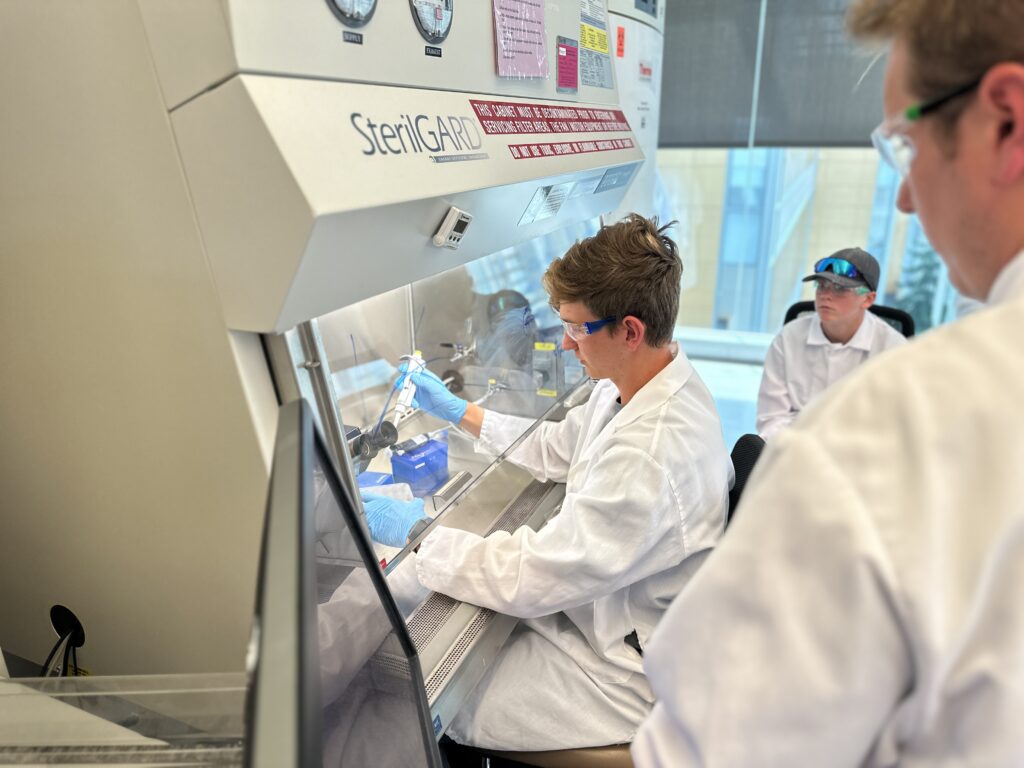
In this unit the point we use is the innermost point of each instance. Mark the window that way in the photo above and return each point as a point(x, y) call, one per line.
point(752, 222)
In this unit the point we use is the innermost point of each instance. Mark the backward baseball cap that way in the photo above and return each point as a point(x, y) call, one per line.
point(865, 263)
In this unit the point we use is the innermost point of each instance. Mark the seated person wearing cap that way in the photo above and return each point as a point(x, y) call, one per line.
point(813, 352)
point(646, 478)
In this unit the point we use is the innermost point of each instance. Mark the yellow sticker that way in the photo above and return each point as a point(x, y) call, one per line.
point(547, 393)
point(593, 38)
point(544, 346)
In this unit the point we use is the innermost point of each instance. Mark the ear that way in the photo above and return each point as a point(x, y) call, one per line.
point(635, 330)
point(868, 299)
point(1002, 93)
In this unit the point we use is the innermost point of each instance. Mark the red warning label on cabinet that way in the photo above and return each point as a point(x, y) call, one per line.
point(502, 117)
point(558, 149)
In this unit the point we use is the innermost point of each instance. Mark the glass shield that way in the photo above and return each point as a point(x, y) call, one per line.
point(486, 330)
point(335, 678)
point(374, 707)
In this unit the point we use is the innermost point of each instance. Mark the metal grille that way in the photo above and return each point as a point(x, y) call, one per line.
point(430, 617)
point(392, 665)
point(438, 608)
point(448, 491)
point(520, 509)
point(452, 660)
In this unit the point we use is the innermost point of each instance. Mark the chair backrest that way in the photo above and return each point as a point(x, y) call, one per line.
point(744, 456)
point(897, 318)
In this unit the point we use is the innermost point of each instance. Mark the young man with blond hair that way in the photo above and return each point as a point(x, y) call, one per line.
point(647, 481)
point(813, 352)
point(865, 607)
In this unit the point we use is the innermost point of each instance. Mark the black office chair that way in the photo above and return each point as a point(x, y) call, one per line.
point(897, 318)
point(744, 456)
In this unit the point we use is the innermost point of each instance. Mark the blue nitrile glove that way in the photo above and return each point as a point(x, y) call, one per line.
point(433, 396)
point(390, 520)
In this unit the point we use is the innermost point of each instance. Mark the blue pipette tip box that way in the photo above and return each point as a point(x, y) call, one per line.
point(424, 468)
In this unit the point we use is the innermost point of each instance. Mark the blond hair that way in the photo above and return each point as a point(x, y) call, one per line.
point(628, 268)
point(950, 42)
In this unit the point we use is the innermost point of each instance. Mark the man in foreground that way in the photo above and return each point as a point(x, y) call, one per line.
point(864, 609)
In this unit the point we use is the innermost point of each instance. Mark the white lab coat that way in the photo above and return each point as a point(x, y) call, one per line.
point(646, 497)
point(865, 607)
point(802, 363)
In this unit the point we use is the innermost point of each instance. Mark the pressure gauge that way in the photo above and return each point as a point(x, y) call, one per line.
point(433, 18)
point(353, 13)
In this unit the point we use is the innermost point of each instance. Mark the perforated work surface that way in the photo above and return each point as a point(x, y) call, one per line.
point(451, 661)
point(430, 617)
point(438, 608)
point(513, 517)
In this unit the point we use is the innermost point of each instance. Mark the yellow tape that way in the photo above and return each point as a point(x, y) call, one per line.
point(547, 393)
point(544, 346)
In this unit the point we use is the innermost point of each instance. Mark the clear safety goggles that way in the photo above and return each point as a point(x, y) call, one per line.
point(824, 286)
point(890, 137)
point(580, 331)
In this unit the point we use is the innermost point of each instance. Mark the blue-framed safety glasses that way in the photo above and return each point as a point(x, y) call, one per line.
point(579, 331)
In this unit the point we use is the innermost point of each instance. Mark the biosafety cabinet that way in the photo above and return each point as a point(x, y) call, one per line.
point(213, 207)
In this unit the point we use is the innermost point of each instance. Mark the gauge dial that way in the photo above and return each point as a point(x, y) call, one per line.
point(354, 13)
point(433, 18)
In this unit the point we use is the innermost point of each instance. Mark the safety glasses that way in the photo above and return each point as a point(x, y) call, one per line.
point(823, 286)
point(580, 331)
point(890, 138)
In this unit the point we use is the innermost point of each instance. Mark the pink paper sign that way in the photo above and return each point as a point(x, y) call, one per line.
point(519, 35)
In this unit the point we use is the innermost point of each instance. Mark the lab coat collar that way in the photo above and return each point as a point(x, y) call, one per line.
point(1009, 282)
point(861, 339)
point(655, 392)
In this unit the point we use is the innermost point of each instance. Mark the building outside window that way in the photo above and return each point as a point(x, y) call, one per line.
point(752, 223)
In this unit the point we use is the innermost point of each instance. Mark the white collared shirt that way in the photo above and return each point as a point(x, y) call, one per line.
point(802, 363)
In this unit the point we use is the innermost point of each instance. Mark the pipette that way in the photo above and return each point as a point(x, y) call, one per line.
point(412, 363)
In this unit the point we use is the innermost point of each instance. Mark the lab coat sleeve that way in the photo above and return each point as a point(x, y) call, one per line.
point(788, 647)
point(346, 642)
point(545, 453)
point(605, 537)
point(352, 624)
point(774, 408)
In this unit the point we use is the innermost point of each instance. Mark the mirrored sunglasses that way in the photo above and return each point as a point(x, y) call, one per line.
point(838, 267)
